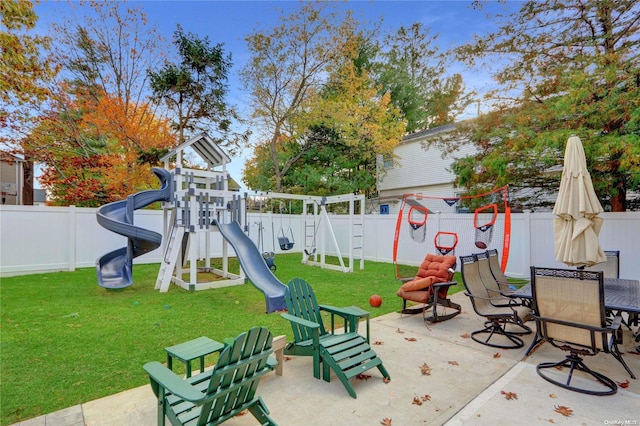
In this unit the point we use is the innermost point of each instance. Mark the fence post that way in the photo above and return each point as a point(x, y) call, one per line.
point(73, 223)
point(527, 247)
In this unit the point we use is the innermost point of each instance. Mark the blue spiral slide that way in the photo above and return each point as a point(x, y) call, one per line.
point(114, 268)
point(254, 266)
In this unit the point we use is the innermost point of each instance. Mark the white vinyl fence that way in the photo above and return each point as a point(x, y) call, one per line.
point(36, 239)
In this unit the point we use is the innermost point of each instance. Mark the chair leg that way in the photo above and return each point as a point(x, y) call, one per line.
point(384, 372)
point(524, 329)
point(496, 328)
point(161, 406)
point(574, 362)
point(260, 411)
point(316, 364)
point(446, 303)
point(617, 355)
point(327, 365)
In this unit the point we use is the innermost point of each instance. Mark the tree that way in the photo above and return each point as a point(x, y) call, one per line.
point(286, 71)
point(195, 89)
point(98, 136)
point(412, 69)
point(349, 126)
point(110, 51)
point(311, 92)
point(95, 152)
point(22, 69)
point(567, 67)
point(23, 73)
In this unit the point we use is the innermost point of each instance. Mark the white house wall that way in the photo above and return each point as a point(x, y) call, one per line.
point(420, 170)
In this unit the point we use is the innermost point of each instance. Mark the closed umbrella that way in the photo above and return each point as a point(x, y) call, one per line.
point(577, 226)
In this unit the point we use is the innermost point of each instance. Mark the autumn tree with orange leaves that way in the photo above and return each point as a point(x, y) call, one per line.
point(98, 150)
point(99, 136)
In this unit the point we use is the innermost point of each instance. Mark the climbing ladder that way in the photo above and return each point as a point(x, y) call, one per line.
point(318, 228)
point(176, 244)
point(357, 234)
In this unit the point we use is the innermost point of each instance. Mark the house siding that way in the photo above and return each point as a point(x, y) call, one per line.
point(419, 170)
point(10, 179)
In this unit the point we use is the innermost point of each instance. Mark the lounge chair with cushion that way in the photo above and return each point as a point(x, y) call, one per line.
point(570, 314)
point(429, 289)
point(504, 324)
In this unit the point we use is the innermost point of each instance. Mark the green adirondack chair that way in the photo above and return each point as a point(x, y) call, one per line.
point(219, 394)
point(347, 354)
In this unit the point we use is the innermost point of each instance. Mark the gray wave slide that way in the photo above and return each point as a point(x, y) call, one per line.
point(114, 269)
point(254, 266)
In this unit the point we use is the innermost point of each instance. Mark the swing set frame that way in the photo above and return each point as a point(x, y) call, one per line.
point(317, 231)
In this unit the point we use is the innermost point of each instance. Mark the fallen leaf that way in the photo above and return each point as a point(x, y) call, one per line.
point(378, 342)
point(386, 422)
point(426, 398)
point(363, 377)
point(287, 358)
point(416, 401)
point(565, 411)
point(453, 363)
point(410, 339)
point(552, 395)
point(551, 421)
point(386, 379)
point(425, 369)
point(465, 335)
point(624, 384)
point(558, 367)
point(509, 395)
point(399, 331)
point(497, 355)
point(242, 413)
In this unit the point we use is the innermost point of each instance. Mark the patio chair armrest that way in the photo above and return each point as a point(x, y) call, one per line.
point(513, 285)
point(342, 312)
point(444, 284)
point(593, 328)
point(495, 293)
point(301, 321)
point(473, 296)
point(161, 376)
point(616, 323)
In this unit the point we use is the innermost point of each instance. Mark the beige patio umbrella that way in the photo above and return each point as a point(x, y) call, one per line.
point(577, 226)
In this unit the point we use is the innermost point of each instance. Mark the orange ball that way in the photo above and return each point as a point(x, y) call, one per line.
point(375, 301)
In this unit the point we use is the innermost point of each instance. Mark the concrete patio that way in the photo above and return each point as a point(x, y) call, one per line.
point(468, 383)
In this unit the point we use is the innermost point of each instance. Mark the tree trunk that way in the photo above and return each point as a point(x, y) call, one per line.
point(619, 202)
point(27, 187)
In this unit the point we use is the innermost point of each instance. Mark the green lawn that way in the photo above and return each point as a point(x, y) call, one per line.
point(64, 340)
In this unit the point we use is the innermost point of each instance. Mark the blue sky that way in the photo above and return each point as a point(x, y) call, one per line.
point(229, 22)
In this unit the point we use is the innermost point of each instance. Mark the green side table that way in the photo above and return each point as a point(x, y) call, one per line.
point(193, 349)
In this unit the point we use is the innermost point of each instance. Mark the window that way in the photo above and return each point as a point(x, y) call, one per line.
point(387, 161)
